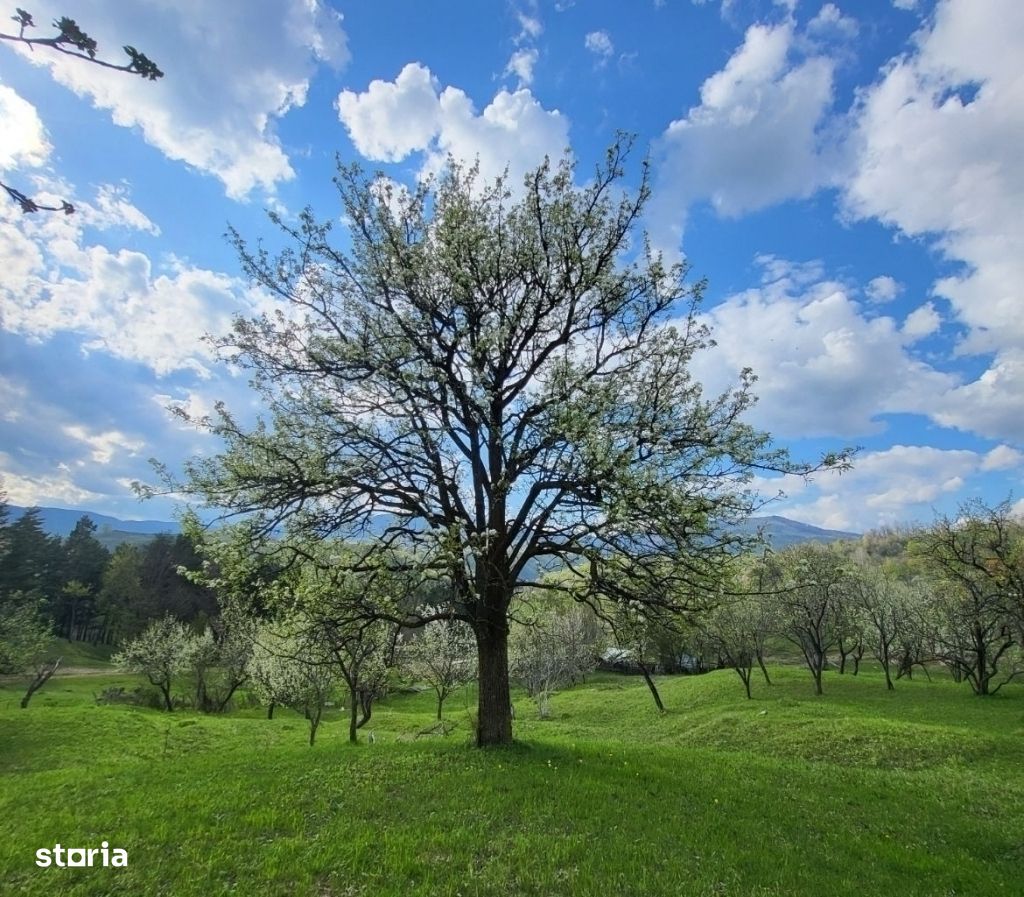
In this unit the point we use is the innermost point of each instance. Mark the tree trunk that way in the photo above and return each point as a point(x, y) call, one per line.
point(270, 710)
point(314, 724)
point(652, 687)
point(744, 674)
point(165, 690)
point(440, 702)
point(353, 719)
point(494, 704)
point(764, 669)
point(42, 674)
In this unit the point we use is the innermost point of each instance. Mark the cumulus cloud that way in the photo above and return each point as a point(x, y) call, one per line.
point(1003, 457)
point(755, 139)
point(831, 24)
point(600, 44)
point(389, 121)
point(521, 64)
point(56, 281)
point(921, 322)
point(23, 140)
point(883, 289)
point(230, 75)
point(824, 367)
point(938, 158)
point(896, 485)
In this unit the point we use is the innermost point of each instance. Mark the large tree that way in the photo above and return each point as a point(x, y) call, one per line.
point(477, 380)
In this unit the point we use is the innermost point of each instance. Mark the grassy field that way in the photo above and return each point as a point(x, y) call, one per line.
point(917, 792)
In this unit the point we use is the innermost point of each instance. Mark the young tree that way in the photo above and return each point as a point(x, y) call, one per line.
point(490, 381)
point(638, 633)
point(160, 653)
point(810, 580)
point(976, 562)
point(736, 631)
point(884, 604)
point(291, 668)
point(552, 653)
point(442, 654)
point(218, 660)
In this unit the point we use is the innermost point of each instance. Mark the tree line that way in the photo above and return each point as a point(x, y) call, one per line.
point(910, 600)
point(76, 589)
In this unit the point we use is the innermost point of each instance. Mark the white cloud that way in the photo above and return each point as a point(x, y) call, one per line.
point(824, 368)
point(55, 486)
point(899, 484)
point(23, 139)
point(905, 4)
point(57, 282)
point(921, 322)
point(831, 24)
point(531, 26)
point(992, 405)
point(600, 44)
point(391, 120)
point(103, 446)
point(231, 72)
point(521, 65)
point(883, 289)
point(754, 140)
point(938, 158)
point(113, 208)
point(1002, 457)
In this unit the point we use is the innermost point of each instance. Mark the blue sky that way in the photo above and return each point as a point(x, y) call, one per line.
point(848, 176)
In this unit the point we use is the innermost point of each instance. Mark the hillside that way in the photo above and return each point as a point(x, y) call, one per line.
point(780, 531)
point(110, 531)
point(917, 792)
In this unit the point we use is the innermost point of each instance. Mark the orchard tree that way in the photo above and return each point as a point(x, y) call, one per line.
point(160, 653)
point(477, 381)
point(886, 608)
point(810, 580)
point(976, 564)
point(290, 667)
point(736, 632)
point(218, 660)
point(551, 654)
point(443, 655)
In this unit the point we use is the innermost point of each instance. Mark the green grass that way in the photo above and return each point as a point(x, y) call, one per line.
point(861, 792)
point(81, 655)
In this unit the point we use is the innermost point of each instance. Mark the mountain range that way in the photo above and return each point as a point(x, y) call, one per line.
point(111, 531)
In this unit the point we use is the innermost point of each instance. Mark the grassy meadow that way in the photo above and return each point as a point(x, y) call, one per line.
point(861, 792)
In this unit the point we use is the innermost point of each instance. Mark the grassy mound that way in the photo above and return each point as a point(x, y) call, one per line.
point(861, 792)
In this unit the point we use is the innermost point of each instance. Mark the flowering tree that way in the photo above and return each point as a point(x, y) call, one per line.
point(159, 653)
point(553, 653)
point(478, 382)
point(290, 668)
point(443, 655)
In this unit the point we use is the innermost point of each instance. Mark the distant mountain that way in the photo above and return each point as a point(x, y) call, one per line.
point(781, 532)
point(110, 531)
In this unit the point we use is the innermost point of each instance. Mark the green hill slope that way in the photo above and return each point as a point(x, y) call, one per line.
point(861, 792)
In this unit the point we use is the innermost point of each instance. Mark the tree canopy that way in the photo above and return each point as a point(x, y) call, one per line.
point(479, 381)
